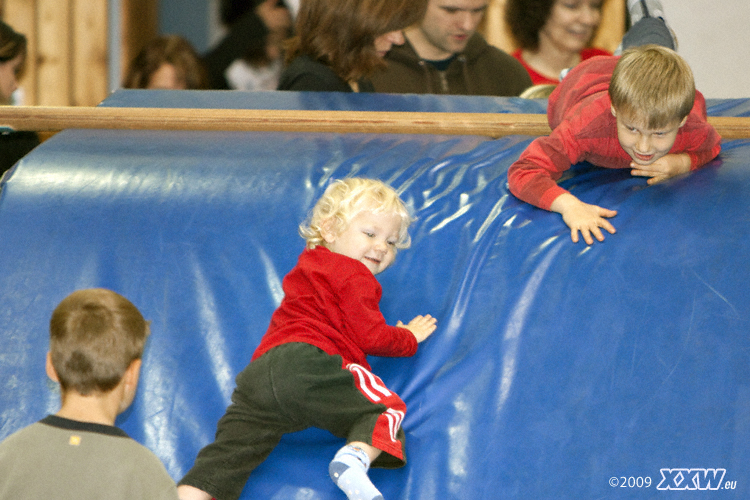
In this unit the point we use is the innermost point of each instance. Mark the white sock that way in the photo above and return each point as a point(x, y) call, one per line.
point(348, 470)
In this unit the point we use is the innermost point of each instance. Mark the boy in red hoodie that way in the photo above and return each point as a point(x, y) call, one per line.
point(639, 111)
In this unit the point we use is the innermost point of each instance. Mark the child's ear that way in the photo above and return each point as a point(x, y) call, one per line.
point(327, 231)
point(613, 110)
point(684, 120)
point(128, 385)
point(50, 368)
point(132, 374)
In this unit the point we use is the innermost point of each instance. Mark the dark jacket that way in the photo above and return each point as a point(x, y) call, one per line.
point(480, 69)
point(305, 74)
point(14, 146)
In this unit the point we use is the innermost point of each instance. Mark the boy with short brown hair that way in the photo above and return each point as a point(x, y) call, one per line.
point(97, 339)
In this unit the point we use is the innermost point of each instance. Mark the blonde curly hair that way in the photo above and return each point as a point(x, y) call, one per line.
point(343, 199)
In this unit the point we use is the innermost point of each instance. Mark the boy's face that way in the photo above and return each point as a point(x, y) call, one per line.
point(370, 238)
point(642, 144)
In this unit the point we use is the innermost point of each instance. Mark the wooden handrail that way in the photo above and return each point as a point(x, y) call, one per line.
point(45, 119)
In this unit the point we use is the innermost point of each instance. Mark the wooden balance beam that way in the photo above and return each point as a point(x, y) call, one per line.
point(51, 119)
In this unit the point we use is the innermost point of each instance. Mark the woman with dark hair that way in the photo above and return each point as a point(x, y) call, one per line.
point(13, 145)
point(340, 43)
point(12, 60)
point(553, 35)
point(249, 56)
point(167, 62)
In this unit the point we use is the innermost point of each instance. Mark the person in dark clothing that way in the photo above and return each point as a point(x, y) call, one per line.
point(13, 144)
point(338, 44)
point(444, 54)
point(256, 31)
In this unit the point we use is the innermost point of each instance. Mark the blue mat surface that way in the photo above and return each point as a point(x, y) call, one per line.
point(558, 371)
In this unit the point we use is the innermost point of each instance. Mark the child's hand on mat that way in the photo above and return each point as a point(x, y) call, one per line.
point(421, 326)
point(580, 216)
point(664, 168)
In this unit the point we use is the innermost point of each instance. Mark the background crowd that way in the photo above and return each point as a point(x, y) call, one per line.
point(425, 46)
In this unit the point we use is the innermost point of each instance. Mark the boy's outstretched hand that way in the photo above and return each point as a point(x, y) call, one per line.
point(421, 326)
point(580, 216)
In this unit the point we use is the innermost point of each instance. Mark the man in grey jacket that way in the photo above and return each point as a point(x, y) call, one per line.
point(444, 54)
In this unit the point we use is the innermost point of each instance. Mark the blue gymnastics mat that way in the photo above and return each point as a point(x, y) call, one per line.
point(558, 371)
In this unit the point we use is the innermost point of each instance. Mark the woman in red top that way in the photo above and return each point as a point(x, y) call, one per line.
point(553, 35)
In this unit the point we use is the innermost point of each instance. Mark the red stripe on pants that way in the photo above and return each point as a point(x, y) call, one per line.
point(384, 436)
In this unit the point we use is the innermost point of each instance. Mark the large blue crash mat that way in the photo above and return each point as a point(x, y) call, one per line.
point(558, 371)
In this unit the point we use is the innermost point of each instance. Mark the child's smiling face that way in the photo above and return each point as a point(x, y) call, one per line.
point(370, 238)
point(643, 144)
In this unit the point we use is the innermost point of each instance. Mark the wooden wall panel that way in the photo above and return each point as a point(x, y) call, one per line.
point(612, 27)
point(89, 52)
point(139, 26)
point(54, 37)
point(494, 27)
point(67, 63)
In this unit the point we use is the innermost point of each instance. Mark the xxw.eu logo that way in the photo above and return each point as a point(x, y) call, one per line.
point(691, 479)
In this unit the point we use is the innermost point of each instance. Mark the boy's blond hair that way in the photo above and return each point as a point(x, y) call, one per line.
point(539, 91)
point(653, 84)
point(346, 198)
point(95, 335)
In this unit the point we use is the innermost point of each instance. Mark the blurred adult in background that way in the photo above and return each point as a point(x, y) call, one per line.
point(13, 144)
point(250, 56)
point(167, 62)
point(444, 54)
point(553, 35)
point(339, 44)
point(12, 60)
